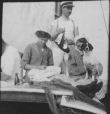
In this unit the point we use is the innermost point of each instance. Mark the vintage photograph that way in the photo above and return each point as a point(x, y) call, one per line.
point(54, 57)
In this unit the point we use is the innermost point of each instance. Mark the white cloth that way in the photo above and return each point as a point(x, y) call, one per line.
point(10, 61)
point(58, 55)
point(43, 75)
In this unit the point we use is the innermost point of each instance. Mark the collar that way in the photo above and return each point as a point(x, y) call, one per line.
point(64, 18)
point(40, 46)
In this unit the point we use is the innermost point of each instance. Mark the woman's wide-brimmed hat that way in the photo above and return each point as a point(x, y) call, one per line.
point(42, 34)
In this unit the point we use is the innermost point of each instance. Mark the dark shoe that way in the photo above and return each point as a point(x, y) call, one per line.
point(88, 87)
point(98, 87)
point(91, 85)
point(82, 88)
point(93, 91)
point(91, 95)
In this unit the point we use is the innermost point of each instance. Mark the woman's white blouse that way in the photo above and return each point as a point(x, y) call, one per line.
point(10, 61)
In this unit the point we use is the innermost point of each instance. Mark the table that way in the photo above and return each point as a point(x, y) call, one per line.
point(19, 97)
point(26, 94)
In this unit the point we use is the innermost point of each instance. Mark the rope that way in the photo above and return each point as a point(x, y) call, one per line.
point(104, 18)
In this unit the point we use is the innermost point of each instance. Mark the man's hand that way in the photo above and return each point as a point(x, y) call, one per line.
point(60, 30)
point(56, 33)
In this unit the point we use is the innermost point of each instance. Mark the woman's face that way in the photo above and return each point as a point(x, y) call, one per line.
point(43, 41)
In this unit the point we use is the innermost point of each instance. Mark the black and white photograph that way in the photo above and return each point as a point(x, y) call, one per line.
point(54, 57)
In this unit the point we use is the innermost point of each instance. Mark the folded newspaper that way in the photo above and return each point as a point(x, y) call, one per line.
point(77, 104)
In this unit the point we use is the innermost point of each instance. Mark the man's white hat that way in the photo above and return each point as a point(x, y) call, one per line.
point(66, 3)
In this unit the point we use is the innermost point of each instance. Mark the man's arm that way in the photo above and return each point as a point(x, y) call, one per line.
point(55, 30)
point(75, 29)
point(50, 58)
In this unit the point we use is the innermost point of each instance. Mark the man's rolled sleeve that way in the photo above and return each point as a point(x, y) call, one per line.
point(26, 57)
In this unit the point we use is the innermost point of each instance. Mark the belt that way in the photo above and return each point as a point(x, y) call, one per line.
point(81, 74)
point(70, 42)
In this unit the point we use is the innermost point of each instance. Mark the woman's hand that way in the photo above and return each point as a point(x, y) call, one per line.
point(43, 67)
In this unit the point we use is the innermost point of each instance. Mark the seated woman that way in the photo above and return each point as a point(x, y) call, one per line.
point(10, 62)
point(37, 55)
point(75, 62)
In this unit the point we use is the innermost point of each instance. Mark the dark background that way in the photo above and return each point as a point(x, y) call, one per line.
point(24, 108)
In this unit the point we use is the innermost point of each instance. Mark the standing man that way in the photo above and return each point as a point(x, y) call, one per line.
point(37, 55)
point(63, 25)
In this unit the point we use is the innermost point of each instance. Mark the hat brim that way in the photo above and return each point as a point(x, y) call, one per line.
point(67, 5)
point(43, 34)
